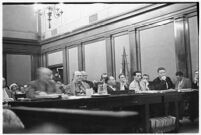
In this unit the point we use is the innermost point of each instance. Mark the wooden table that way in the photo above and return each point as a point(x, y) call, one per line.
point(112, 102)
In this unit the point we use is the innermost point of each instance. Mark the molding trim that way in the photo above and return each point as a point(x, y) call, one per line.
point(21, 46)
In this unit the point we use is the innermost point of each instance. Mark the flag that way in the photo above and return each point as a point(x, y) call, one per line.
point(125, 69)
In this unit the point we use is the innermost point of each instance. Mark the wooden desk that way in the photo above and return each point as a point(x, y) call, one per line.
point(101, 103)
point(112, 102)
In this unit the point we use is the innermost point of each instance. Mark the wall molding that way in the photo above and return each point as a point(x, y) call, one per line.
point(21, 46)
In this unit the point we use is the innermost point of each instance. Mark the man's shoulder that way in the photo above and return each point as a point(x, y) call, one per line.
point(117, 83)
point(169, 78)
point(133, 82)
point(186, 79)
point(70, 84)
point(156, 79)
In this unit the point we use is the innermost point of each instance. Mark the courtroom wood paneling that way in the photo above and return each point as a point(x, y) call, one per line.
point(21, 46)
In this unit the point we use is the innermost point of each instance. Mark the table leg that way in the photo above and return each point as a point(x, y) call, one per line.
point(177, 115)
point(147, 116)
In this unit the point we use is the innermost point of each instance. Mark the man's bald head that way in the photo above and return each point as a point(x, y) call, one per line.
point(44, 73)
point(77, 76)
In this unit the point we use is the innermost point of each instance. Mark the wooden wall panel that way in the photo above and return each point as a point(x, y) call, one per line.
point(24, 47)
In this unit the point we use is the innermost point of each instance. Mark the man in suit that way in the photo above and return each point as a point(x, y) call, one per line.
point(123, 83)
point(146, 82)
point(102, 81)
point(43, 85)
point(182, 82)
point(195, 84)
point(84, 79)
point(162, 82)
point(77, 86)
point(137, 84)
point(111, 84)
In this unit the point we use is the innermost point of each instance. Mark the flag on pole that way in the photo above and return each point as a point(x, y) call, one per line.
point(125, 68)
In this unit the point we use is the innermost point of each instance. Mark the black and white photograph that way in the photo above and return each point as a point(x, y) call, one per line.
point(100, 67)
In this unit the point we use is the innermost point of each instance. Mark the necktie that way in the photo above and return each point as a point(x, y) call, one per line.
point(139, 86)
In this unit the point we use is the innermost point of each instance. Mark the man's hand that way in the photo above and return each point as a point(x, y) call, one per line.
point(163, 78)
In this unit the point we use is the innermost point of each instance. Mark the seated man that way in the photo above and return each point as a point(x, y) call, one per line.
point(136, 84)
point(195, 84)
point(145, 81)
point(84, 79)
point(102, 80)
point(111, 84)
point(162, 82)
point(43, 85)
point(123, 83)
point(182, 82)
point(77, 86)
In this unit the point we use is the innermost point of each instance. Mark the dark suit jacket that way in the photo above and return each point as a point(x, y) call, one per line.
point(109, 90)
point(118, 85)
point(195, 86)
point(161, 84)
point(90, 83)
point(186, 83)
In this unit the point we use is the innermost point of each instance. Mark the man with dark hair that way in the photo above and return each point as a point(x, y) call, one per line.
point(111, 84)
point(123, 83)
point(162, 82)
point(102, 81)
point(146, 82)
point(182, 82)
point(136, 84)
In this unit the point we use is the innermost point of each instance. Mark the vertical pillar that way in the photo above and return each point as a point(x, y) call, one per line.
point(65, 78)
point(109, 58)
point(182, 46)
point(134, 50)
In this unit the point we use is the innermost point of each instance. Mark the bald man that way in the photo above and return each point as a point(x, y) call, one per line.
point(77, 86)
point(43, 85)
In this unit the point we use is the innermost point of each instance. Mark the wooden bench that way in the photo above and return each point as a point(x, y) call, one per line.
point(77, 121)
